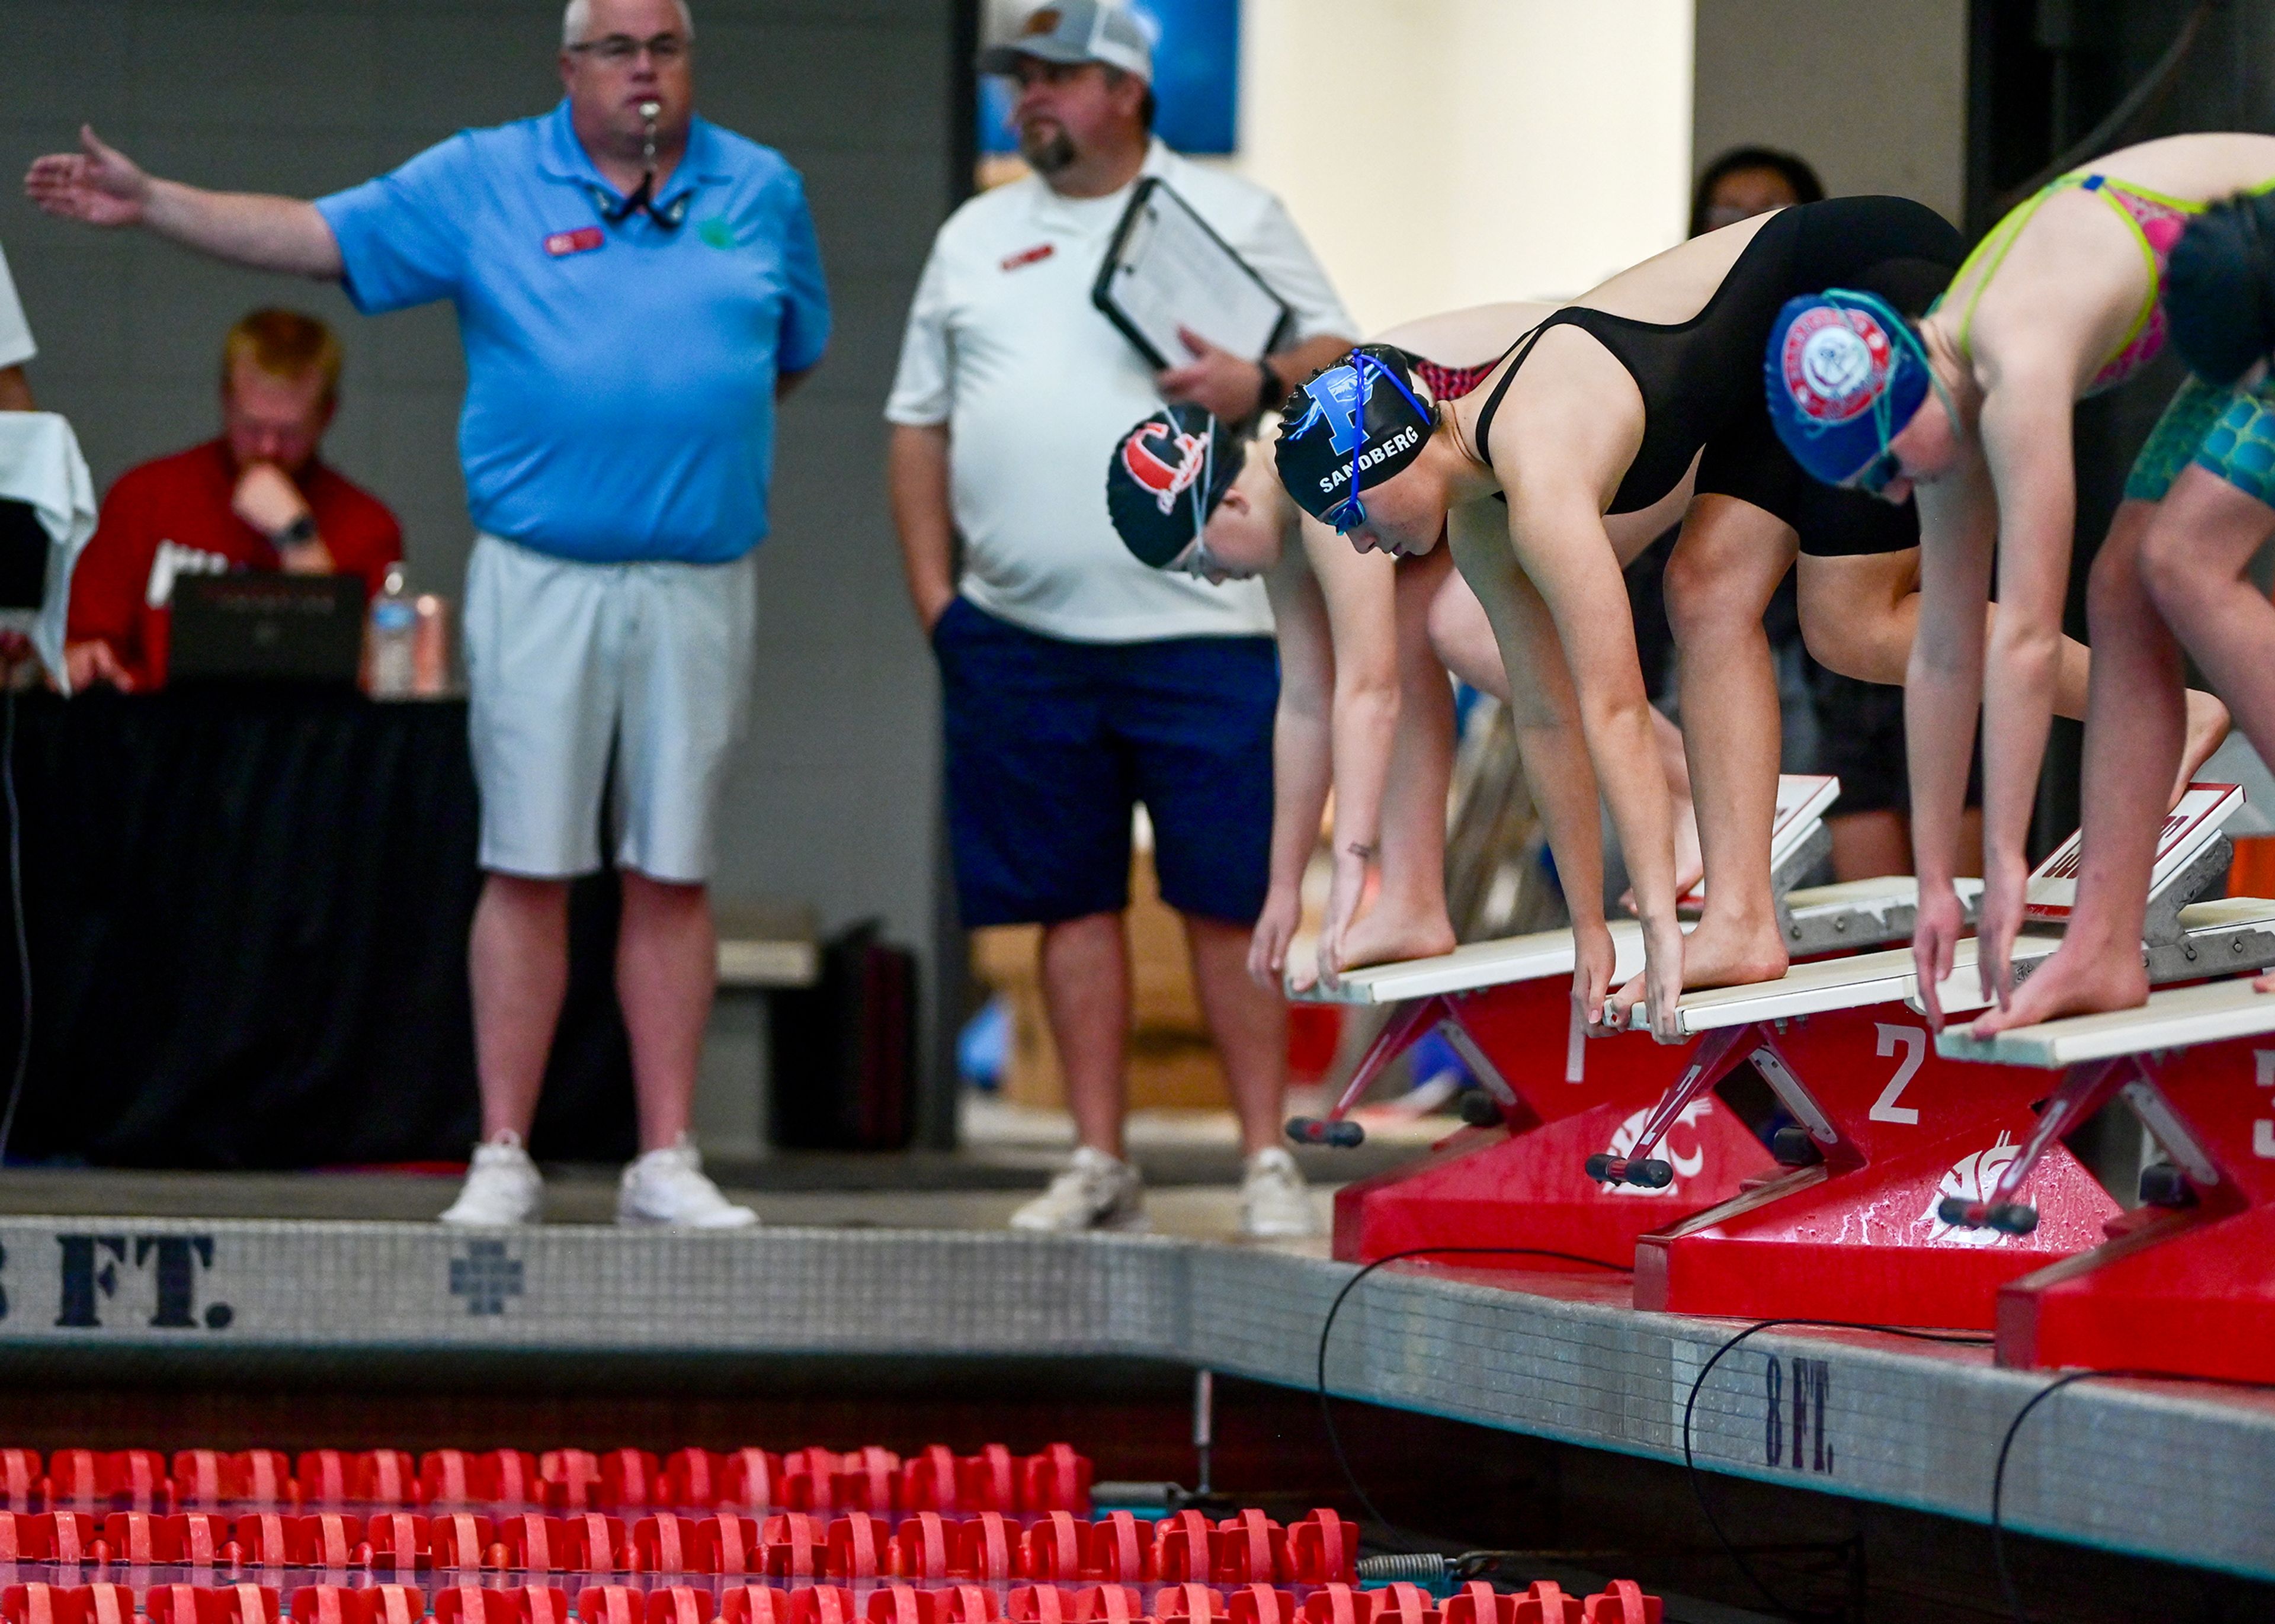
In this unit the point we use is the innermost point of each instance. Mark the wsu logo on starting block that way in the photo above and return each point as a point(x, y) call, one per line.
point(1623, 1143)
point(1971, 1178)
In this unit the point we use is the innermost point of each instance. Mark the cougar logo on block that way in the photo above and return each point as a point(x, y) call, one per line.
point(1624, 1141)
point(1971, 1178)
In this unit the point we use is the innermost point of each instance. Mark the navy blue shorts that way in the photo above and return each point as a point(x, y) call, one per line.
point(1052, 743)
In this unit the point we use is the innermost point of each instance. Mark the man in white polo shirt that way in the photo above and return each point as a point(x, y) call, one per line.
point(1076, 682)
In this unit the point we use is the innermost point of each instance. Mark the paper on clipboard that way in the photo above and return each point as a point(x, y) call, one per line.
point(1167, 269)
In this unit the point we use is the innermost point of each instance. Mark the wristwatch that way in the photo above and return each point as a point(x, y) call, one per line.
point(299, 532)
point(1269, 392)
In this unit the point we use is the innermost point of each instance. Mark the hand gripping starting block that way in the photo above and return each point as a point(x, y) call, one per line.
point(2186, 1282)
point(1515, 1178)
point(1886, 1129)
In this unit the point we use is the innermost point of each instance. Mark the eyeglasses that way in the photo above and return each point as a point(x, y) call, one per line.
point(621, 49)
point(1349, 514)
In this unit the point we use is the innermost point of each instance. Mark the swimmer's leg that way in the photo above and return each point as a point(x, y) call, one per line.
point(2135, 734)
point(2197, 561)
point(1724, 566)
point(1407, 919)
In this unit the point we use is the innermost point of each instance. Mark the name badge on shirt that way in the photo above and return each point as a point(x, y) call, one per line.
point(1028, 256)
point(583, 240)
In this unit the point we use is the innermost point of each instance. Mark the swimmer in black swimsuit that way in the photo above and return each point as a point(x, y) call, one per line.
point(1365, 653)
point(1600, 411)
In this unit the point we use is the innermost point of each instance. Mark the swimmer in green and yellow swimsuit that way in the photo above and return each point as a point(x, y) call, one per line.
point(2208, 470)
point(2065, 297)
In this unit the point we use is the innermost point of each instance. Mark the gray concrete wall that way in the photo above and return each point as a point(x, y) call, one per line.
point(833, 800)
point(1874, 95)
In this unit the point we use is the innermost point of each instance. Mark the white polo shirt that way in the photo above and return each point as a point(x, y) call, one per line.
point(16, 345)
point(1004, 346)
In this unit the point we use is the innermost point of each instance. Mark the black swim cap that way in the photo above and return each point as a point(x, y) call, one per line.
point(2219, 289)
point(1167, 476)
point(1364, 408)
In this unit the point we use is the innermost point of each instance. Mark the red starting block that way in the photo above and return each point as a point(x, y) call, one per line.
point(2184, 1284)
point(1886, 1131)
point(1517, 1177)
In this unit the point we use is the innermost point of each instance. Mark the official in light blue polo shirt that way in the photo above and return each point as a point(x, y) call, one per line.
point(620, 372)
point(636, 289)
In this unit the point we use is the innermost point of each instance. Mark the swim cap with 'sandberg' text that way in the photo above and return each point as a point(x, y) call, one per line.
point(1843, 376)
point(1349, 408)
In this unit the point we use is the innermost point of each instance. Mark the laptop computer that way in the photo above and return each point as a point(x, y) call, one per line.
point(24, 548)
point(249, 626)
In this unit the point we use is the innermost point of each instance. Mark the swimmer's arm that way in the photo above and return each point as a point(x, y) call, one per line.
point(1943, 685)
point(1561, 544)
point(1550, 745)
point(1359, 591)
point(2026, 446)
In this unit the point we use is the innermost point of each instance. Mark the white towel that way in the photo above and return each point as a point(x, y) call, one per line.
point(40, 464)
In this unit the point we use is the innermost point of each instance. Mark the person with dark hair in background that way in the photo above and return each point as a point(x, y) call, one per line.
point(1746, 181)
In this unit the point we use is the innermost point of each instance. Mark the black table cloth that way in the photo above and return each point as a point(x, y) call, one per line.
point(247, 912)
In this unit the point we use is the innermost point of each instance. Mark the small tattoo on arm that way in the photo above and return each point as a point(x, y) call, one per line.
point(1360, 850)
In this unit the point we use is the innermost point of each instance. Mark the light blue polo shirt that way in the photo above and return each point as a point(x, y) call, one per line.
point(620, 391)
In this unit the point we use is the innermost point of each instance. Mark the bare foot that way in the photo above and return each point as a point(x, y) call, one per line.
point(1718, 954)
point(1387, 935)
point(2078, 979)
point(2207, 727)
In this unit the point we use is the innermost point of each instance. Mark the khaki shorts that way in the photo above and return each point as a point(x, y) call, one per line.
point(572, 668)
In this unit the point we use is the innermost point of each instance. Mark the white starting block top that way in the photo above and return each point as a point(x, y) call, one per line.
point(2209, 1013)
point(1480, 964)
point(1803, 799)
point(1891, 976)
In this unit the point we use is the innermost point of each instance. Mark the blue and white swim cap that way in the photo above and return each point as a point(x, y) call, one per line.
point(1843, 375)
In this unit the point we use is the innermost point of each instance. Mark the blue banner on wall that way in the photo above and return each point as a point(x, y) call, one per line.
point(1196, 77)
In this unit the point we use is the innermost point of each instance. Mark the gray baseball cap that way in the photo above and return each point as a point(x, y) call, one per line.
point(1072, 31)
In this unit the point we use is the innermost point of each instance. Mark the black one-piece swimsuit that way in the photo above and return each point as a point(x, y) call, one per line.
point(1702, 379)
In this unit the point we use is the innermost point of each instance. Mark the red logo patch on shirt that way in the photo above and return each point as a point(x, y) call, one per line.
point(1028, 256)
point(583, 240)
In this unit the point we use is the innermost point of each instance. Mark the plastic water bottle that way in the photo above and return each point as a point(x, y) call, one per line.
point(390, 641)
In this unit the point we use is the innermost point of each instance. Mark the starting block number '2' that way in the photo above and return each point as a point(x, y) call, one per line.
point(1912, 1043)
point(2262, 1131)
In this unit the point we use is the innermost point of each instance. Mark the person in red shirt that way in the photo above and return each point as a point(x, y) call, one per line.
point(258, 498)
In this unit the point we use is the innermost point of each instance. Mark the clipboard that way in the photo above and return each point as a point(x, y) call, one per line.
point(1167, 268)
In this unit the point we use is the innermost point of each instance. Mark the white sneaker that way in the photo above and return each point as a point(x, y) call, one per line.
point(1097, 1192)
point(503, 1188)
point(1274, 1205)
point(666, 1189)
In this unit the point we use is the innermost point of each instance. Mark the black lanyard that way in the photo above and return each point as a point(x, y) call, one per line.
point(615, 211)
